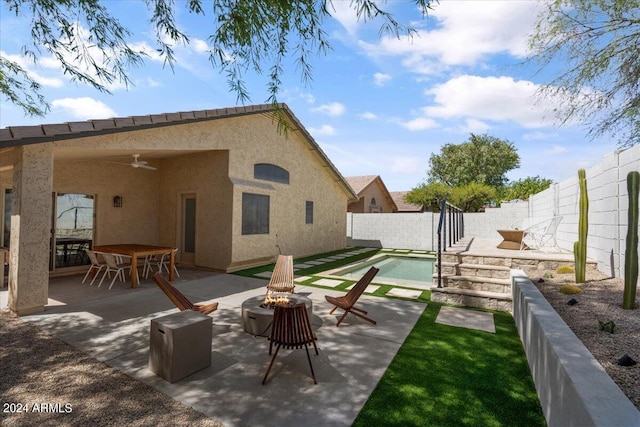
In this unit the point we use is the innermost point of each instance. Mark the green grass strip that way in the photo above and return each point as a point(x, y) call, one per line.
point(450, 376)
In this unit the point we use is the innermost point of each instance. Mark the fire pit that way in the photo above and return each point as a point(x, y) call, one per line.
point(257, 312)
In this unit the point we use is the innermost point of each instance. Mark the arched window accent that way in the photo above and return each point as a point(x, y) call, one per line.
point(270, 172)
point(373, 201)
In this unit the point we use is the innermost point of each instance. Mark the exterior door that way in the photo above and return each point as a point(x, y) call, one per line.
point(188, 243)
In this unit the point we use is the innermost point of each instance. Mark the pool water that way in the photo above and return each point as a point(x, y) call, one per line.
point(395, 267)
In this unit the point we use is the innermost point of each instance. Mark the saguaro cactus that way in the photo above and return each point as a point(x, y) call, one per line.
point(631, 252)
point(580, 247)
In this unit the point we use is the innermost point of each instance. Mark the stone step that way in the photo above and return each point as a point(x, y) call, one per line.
point(486, 284)
point(473, 298)
point(481, 270)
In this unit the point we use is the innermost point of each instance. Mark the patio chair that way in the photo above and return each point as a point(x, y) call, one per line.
point(159, 262)
point(348, 301)
point(179, 299)
point(282, 276)
point(115, 264)
point(96, 266)
point(542, 235)
point(291, 329)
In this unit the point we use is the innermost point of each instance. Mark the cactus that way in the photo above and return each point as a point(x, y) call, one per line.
point(631, 253)
point(580, 247)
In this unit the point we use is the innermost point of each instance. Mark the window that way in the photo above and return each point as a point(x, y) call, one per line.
point(308, 217)
point(270, 172)
point(255, 214)
point(373, 201)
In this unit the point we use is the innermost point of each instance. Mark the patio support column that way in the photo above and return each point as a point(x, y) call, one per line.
point(30, 228)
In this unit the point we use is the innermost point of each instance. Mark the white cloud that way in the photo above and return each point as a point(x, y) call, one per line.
point(29, 68)
point(556, 149)
point(345, 14)
point(332, 109)
point(539, 136)
point(467, 31)
point(84, 108)
point(323, 130)
point(419, 123)
point(490, 98)
point(380, 79)
point(367, 115)
point(474, 126)
point(407, 165)
point(199, 46)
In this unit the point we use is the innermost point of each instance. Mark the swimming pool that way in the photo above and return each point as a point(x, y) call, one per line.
point(394, 269)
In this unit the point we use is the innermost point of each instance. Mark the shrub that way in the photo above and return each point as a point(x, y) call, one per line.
point(570, 289)
point(565, 269)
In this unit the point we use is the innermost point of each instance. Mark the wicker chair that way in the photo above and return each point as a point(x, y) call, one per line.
point(291, 329)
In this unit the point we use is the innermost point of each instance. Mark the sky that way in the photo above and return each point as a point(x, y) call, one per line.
point(377, 105)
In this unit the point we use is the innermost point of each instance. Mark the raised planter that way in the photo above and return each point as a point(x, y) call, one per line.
point(573, 388)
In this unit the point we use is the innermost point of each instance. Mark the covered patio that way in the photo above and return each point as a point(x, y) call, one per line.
point(114, 327)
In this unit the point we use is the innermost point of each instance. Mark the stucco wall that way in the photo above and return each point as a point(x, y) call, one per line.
point(205, 175)
point(218, 170)
point(136, 221)
point(393, 230)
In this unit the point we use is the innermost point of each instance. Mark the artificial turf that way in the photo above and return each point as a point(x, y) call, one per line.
point(451, 376)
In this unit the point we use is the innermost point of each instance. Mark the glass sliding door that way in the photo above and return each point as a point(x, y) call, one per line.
point(73, 224)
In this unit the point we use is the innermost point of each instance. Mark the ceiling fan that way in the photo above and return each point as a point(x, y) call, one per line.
point(137, 163)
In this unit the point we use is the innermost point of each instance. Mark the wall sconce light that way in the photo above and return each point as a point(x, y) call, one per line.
point(117, 201)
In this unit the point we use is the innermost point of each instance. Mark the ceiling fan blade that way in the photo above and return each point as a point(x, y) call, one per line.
point(118, 163)
point(143, 166)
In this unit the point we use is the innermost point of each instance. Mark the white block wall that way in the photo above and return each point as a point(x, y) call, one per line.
point(608, 216)
point(392, 230)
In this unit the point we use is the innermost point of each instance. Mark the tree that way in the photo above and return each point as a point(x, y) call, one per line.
point(523, 188)
point(429, 195)
point(246, 35)
point(473, 197)
point(483, 159)
point(598, 42)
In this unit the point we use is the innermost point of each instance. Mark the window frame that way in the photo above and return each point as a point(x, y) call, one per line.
point(308, 214)
point(255, 225)
point(271, 172)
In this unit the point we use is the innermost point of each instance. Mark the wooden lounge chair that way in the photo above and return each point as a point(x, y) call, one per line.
point(347, 302)
point(282, 276)
point(179, 299)
point(291, 329)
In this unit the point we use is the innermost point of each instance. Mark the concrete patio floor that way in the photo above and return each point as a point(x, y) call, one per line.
point(113, 326)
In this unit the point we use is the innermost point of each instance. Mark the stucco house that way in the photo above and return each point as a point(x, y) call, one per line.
point(373, 196)
point(227, 188)
point(402, 206)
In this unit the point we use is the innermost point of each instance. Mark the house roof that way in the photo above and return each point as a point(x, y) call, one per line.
point(398, 197)
point(361, 183)
point(13, 136)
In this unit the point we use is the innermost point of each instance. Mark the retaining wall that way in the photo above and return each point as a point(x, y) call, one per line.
point(573, 388)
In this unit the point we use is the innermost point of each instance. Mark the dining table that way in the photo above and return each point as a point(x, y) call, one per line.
point(135, 251)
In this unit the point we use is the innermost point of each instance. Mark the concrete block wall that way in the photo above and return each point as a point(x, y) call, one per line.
point(573, 388)
point(392, 230)
point(484, 224)
point(608, 216)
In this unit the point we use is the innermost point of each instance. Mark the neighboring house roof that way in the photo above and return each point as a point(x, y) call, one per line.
point(398, 197)
point(361, 183)
point(13, 136)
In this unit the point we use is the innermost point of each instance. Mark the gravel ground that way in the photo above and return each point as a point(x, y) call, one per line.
point(601, 300)
point(52, 383)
